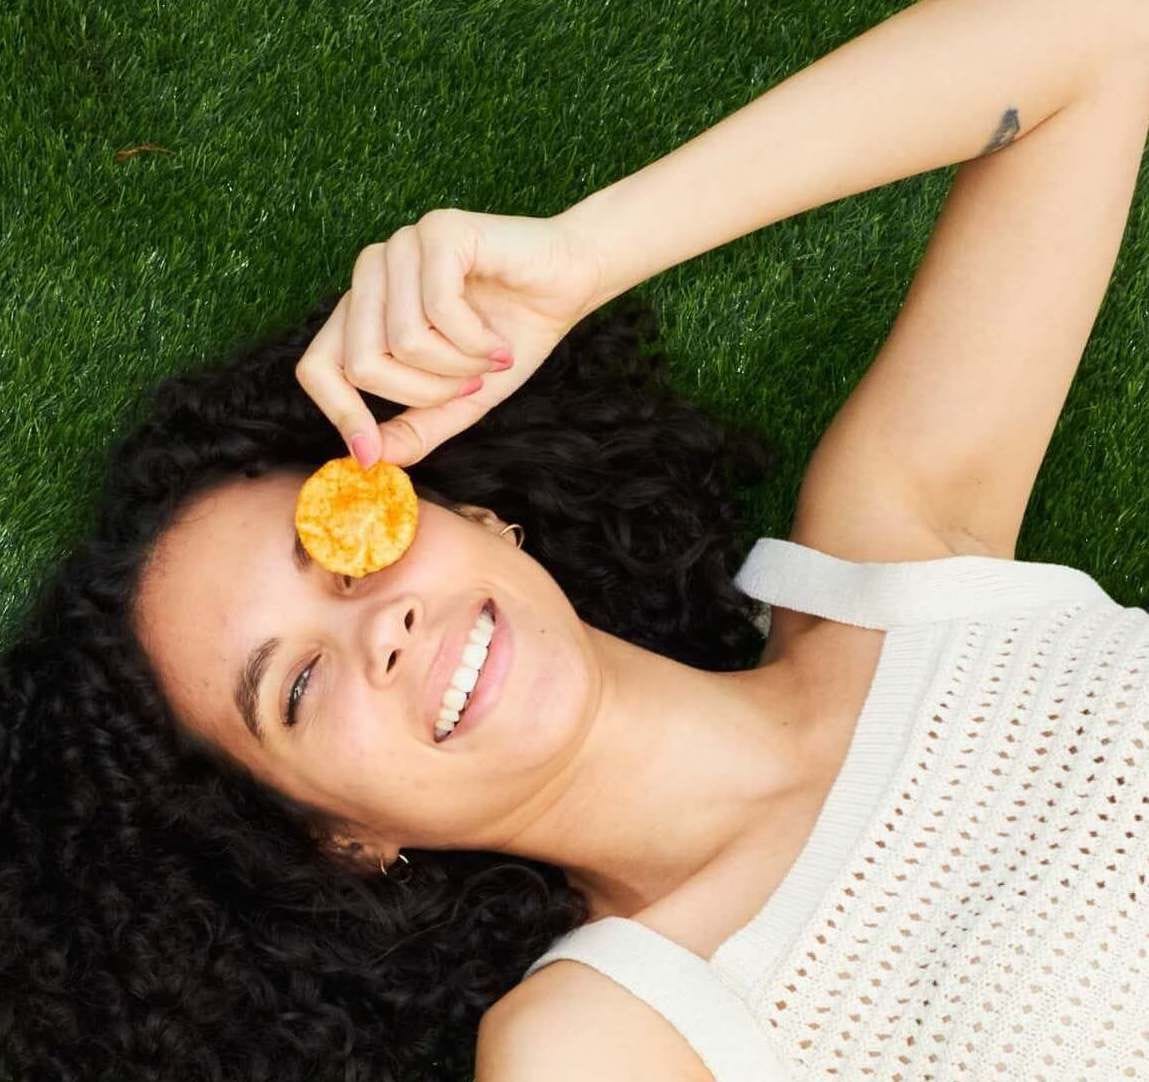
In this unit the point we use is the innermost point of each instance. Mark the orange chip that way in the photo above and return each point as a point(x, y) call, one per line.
point(354, 521)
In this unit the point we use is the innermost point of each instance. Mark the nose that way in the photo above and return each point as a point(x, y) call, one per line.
point(391, 635)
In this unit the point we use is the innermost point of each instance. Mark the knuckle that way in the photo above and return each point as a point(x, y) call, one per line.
point(356, 369)
point(414, 435)
point(439, 308)
point(366, 255)
point(303, 374)
point(439, 217)
point(407, 340)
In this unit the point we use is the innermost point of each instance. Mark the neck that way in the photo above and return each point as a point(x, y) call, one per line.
point(679, 764)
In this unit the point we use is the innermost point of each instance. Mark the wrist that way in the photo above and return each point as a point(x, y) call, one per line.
point(593, 233)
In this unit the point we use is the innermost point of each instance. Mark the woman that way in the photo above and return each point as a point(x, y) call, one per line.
point(893, 843)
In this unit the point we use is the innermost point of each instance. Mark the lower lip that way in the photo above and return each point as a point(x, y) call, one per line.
point(490, 683)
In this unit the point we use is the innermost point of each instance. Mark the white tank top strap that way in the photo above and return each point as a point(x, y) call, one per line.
point(682, 987)
point(882, 595)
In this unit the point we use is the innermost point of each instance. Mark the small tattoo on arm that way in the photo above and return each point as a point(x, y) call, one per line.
point(1006, 130)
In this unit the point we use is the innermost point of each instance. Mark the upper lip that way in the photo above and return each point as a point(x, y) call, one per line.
point(447, 660)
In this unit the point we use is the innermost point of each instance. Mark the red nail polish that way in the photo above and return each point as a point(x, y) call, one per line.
point(471, 386)
point(361, 449)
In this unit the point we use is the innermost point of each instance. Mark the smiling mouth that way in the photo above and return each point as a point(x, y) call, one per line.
point(483, 629)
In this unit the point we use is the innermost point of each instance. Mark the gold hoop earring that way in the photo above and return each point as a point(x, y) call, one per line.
point(400, 857)
point(520, 537)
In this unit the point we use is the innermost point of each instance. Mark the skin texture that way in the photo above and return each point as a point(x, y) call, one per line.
point(593, 747)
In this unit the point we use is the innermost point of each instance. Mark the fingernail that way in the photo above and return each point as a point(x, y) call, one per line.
point(471, 386)
point(502, 359)
point(361, 449)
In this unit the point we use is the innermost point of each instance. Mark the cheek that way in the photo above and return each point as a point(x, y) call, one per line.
point(348, 752)
point(364, 747)
point(352, 729)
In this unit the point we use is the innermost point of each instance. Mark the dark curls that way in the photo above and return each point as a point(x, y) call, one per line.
point(164, 916)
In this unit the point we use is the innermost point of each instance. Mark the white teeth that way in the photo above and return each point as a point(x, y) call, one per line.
point(465, 678)
point(466, 675)
point(474, 654)
point(453, 699)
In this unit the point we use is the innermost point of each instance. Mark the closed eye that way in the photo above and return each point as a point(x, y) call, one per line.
point(298, 690)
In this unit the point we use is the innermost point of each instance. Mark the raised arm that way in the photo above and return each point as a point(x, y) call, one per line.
point(937, 449)
point(940, 82)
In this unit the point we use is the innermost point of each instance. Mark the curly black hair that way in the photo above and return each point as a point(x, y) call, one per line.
point(166, 916)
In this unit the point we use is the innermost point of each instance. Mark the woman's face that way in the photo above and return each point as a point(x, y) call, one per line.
point(375, 655)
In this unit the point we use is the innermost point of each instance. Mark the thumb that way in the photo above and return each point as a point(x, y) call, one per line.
point(416, 432)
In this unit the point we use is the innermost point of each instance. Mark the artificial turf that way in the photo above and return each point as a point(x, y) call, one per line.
point(281, 138)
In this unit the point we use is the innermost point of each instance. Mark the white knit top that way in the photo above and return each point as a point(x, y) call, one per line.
point(972, 902)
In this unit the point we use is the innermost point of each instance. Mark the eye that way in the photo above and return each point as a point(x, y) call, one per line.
point(298, 690)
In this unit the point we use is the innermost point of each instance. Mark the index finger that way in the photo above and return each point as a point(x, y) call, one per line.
point(320, 373)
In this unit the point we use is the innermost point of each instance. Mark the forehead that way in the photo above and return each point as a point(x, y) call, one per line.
point(215, 580)
point(236, 525)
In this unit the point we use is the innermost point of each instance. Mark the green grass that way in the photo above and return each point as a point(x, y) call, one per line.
point(300, 132)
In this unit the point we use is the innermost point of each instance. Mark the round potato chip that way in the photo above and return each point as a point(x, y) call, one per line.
point(354, 521)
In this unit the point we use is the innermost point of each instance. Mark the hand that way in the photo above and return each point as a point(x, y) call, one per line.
point(425, 311)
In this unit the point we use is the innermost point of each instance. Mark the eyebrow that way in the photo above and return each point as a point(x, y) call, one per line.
point(252, 674)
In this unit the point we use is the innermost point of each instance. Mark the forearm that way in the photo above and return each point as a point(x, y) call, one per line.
point(940, 82)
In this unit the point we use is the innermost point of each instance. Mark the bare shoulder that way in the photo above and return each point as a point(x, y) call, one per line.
point(568, 1022)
